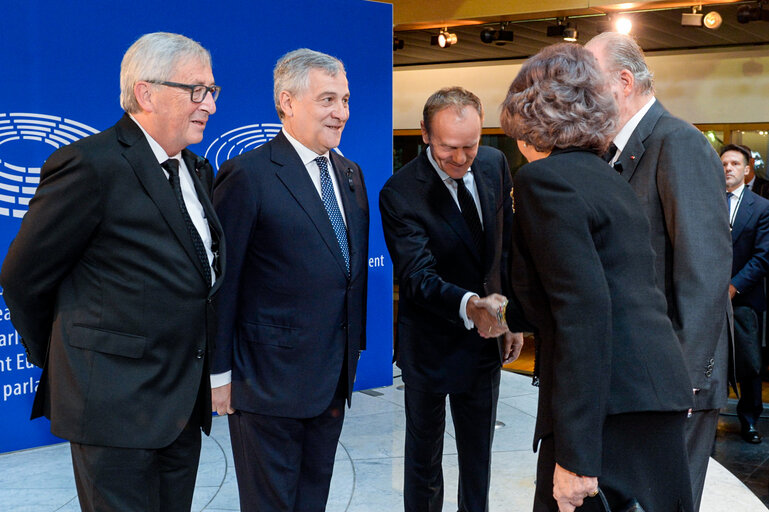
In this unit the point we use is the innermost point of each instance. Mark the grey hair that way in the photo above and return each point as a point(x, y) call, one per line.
point(449, 97)
point(292, 72)
point(623, 52)
point(155, 56)
point(559, 99)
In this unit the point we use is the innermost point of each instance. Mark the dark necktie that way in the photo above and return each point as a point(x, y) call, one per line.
point(610, 152)
point(729, 202)
point(172, 166)
point(332, 209)
point(469, 212)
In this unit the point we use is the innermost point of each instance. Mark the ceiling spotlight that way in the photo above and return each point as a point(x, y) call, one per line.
point(558, 29)
point(498, 37)
point(397, 44)
point(623, 25)
point(746, 13)
point(444, 39)
point(712, 20)
point(691, 19)
point(570, 32)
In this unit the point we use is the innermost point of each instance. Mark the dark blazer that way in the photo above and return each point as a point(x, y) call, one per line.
point(106, 290)
point(583, 270)
point(436, 263)
point(760, 187)
point(679, 179)
point(750, 243)
point(288, 312)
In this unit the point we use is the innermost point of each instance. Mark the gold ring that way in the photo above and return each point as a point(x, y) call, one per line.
point(594, 493)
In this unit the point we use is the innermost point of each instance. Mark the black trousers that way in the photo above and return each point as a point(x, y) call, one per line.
point(112, 479)
point(700, 436)
point(285, 464)
point(643, 457)
point(474, 413)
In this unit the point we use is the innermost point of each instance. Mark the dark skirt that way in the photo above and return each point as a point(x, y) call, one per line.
point(644, 457)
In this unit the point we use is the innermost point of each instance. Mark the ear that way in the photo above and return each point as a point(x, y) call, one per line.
point(425, 135)
point(285, 100)
point(627, 80)
point(143, 94)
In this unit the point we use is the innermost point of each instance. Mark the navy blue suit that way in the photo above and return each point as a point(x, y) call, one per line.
point(292, 322)
point(750, 257)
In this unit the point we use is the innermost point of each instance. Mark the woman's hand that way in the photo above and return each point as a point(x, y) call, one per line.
point(569, 489)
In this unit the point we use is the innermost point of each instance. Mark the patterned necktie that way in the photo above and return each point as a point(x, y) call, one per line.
point(469, 212)
point(172, 166)
point(332, 209)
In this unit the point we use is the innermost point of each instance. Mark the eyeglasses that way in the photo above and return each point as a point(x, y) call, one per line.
point(197, 92)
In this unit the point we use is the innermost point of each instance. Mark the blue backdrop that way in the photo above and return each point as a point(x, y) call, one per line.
point(60, 66)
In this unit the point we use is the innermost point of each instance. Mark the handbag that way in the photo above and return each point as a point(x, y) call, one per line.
point(630, 506)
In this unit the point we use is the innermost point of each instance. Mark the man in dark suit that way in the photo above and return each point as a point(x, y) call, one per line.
point(292, 310)
point(678, 177)
point(749, 220)
point(447, 217)
point(109, 282)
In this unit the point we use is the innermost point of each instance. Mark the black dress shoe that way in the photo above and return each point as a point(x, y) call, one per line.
point(751, 434)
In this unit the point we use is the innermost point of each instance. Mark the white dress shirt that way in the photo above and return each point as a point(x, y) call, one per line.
point(191, 201)
point(620, 140)
point(469, 180)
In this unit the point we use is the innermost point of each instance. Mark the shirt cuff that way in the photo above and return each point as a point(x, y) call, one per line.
point(469, 324)
point(221, 379)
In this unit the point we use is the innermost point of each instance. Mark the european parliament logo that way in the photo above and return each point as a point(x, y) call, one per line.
point(240, 140)
point(26, 140)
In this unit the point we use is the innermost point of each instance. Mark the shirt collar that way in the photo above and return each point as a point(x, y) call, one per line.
point(624, 134)
point(157, 150)
point(440, 171)
point(737, 191)
point(306, 155)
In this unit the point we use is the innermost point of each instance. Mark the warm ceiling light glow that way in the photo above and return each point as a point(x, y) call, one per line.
point(712, 20)
point(623, 25)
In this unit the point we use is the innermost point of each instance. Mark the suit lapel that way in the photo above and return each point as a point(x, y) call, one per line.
point(440, 198)
point(742, 216)
point(293, 174)
point(488, 208)
point(634, 149)
point(147, 169)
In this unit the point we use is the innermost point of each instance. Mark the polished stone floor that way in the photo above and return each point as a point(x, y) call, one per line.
point(368, 475)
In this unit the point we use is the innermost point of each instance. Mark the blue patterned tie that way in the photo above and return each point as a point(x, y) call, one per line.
point(332, 209)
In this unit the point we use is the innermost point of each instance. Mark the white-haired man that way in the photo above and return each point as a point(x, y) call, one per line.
point(109, 283)
point(679, 179)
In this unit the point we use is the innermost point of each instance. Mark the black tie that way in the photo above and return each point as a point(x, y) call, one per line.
point(469, 212)
point(172, 166)
point(610, 153)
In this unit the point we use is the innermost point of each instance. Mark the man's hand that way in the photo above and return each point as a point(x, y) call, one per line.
point(513, 346)
point(732, 291)
point(220, 400)
point(483, 313)
point(569, 489)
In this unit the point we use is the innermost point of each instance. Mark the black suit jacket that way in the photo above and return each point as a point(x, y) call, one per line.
point(750, 244)
point(107, 292)
point(288, 312)
point(583, 270)
point(679, 179)
point(436, 263)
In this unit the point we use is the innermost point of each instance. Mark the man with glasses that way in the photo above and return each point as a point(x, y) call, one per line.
point(109, 282)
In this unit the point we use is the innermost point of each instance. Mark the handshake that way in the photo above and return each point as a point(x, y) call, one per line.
point(488, 315)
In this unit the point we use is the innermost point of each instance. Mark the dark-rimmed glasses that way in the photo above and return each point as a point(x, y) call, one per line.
point(197, 91)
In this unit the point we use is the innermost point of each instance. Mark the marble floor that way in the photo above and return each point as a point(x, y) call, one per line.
point(368, 475)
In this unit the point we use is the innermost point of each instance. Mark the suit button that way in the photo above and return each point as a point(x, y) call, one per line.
point(199, 354)
point(209, 300)
point(343, 326)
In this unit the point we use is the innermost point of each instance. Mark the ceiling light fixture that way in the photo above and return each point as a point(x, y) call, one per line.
point(444, 39)
point(623, 25)
point(712, 20)
point(397, 44)
point(692, 19)
point(498, 37)
point(570, 32)
point(746, 13)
